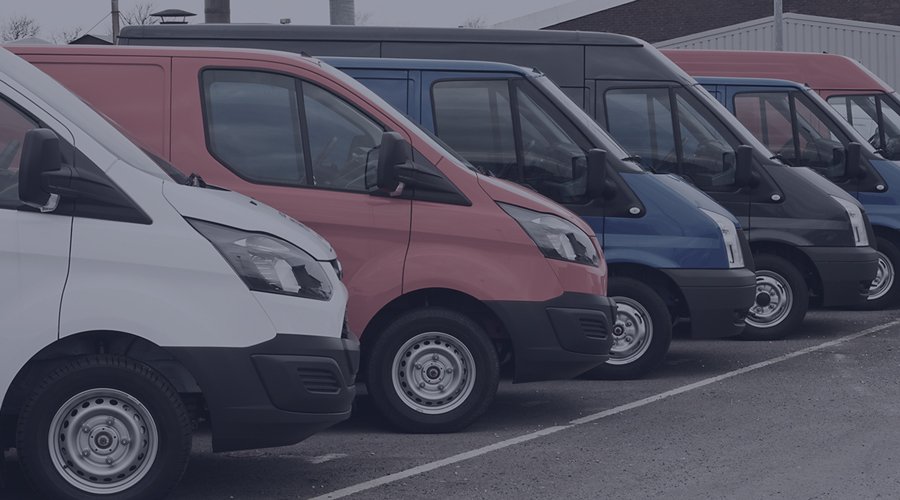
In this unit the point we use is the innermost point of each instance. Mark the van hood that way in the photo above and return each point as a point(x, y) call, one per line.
point(238, 211)
point(693, 196)
point(514, 194)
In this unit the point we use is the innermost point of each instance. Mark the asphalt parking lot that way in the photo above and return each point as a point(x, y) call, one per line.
point(813, 416)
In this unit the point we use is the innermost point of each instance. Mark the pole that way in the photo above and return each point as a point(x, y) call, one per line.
point(343, 12)
point(114, 13)
point(779, 25)
point(217, 11)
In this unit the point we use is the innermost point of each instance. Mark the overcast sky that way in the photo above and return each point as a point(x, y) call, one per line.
point(54, 16)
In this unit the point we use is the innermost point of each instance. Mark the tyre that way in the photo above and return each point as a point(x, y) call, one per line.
point(782, 298)
point(884, 291)
point(104, 426)
point(433, 370)
point(642, 333)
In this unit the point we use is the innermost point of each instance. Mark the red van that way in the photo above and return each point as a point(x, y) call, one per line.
point(451, 272)
point(863, 99)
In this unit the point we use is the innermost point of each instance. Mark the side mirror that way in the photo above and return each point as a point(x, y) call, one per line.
point(40, 155)
point(743, 165)
point(394, 152)
point(596, 173)
point(853, 169)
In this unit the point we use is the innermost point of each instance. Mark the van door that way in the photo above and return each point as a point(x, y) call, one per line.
point(790, 125)
point(34, 251)
point(284, 138)
point(674, 132)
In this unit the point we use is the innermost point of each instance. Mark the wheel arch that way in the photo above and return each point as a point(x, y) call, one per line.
point(795, 256)
point(86, 343)
point(672, 295)
point(444, 297)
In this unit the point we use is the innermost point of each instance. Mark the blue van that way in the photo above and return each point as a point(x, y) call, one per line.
point(803, 130)
point(674, 254)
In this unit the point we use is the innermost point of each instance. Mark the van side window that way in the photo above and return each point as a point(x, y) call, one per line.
point(861, 112)
point(790, 127)
point(673, 132)
point(475, 118)
point(342, 141)
point(253, 125)
point(13, 126)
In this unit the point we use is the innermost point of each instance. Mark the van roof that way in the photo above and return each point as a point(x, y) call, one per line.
point(147, 51)
point(422, 64)
point(372, 33)
point(753, 82)
point(818, 71)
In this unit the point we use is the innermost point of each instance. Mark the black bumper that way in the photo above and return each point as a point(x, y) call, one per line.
point(560, 338)
point(717, 299)
point(846, 273)
point(275, 393)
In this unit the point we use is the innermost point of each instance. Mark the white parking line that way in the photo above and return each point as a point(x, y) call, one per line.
point(421, 469)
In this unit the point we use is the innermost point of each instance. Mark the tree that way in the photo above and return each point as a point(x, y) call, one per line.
point(67, 36)
point(19, 27)
point(474, 22)
point(363, 18)
point(139, 15)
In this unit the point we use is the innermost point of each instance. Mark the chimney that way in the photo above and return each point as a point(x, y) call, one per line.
point(343, 12)
point(217, 11)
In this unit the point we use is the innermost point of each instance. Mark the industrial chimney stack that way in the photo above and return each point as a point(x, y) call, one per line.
point(217, 11)
point(343, 12)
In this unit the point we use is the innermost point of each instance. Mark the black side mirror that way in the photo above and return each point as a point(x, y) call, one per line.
point(394, 152)
point(596, 173)
point(853, 169)
point(743, 165)
point(40, 155)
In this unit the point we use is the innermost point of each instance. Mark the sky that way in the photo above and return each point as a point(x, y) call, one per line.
point(55, 16)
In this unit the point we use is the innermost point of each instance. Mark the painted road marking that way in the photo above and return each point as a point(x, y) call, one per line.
point(421, 469)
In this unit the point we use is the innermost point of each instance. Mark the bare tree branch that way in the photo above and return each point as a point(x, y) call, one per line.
point(474, 22)
point(139, 15)
point(67, 36)
point(19, 27)
point(363, 18)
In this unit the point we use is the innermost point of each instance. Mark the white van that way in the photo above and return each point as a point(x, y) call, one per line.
point(135, 302)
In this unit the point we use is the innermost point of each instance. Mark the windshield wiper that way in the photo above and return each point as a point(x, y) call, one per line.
point(196, 181)
point(637, 159)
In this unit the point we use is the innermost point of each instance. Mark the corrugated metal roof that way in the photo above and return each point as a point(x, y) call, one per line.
point(876, 46)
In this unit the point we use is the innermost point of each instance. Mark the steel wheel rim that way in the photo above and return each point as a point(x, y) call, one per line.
point(103, 441)
point(433, 373)
point(884, 278)
point(774, 300)
point(632, 332)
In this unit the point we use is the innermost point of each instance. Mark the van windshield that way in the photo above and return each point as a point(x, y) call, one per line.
point(875, 116)
point(577, 114)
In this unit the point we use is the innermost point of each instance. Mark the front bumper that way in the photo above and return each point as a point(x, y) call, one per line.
point(275, 393)
point(846, 273)
point(717, 299)
point(560, 338)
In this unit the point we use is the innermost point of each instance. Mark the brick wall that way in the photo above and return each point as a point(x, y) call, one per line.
point(658, 20)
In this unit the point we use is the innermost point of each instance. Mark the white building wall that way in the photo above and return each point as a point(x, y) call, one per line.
point(876, 46)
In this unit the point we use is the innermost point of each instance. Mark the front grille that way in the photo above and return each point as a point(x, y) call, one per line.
point(319, 381)
point(593, 327)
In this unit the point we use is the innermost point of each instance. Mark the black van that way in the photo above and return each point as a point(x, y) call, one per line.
point(810, 239)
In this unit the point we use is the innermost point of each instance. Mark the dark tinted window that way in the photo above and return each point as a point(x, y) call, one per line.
point(13, 126)
point(253, 125)
point(641, 121)
point(475, 118)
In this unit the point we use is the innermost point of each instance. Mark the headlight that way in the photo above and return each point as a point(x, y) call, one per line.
point(857, 223)
point(268, 264)
point(730, 237)
point(556, 237)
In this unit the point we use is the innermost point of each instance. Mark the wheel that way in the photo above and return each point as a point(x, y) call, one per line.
point(883, 292)
point(642, 333)
point(104, 426)
point(433, 370)
point(782, 298)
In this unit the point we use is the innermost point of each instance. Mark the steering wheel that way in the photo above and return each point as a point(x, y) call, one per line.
point(327, 149)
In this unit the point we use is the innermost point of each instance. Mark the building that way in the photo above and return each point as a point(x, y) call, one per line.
point(866, 30)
